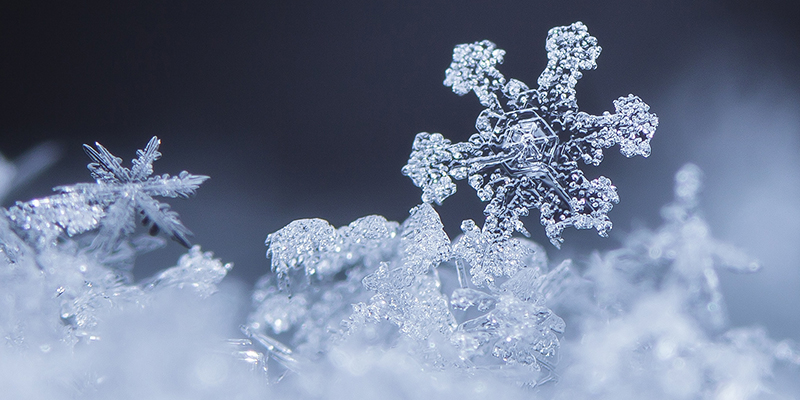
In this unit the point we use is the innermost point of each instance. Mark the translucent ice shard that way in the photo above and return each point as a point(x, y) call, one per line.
point(489, 258)
point(318, 276)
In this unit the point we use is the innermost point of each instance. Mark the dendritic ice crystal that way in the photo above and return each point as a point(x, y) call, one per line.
point(530, 140)
point(111, 204)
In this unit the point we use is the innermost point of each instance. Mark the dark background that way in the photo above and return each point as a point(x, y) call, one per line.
point(308, 109)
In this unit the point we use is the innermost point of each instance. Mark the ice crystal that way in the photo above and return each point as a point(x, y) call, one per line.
point(388, 280)
point(111, 204)
point(529, 141)
point(197, 270)
point(489, 258)
point(331, 264)
point(79, 285)
point(318, 249)
point(407, 291)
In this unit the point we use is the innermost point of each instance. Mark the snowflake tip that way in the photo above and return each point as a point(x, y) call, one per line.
point(105, 167)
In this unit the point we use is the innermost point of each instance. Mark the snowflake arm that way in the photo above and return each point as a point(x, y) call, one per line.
point(143, 164)
point(474, 69)
point(162, 218)
point(632, 127)
point(570, 49)
point(106, 167)
point(429, 167)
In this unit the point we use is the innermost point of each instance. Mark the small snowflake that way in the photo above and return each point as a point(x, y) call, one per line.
point(112, 203)
point(525, 154)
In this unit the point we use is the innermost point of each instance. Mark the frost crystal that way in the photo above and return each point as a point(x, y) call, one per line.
point(525, 154)
point(197, 270)
point(111, 204)
point(74, 324)
point(81, 281)
point(331, 263)
point(377, 308)
point(372, 280)
point(489, 259)
point(652, 323)
point(317, 248)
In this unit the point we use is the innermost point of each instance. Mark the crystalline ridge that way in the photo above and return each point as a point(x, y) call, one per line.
point(319, 249)
point(525, 154)
point(390, 276)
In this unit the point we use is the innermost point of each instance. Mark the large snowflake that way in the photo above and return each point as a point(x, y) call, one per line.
point(529, 141)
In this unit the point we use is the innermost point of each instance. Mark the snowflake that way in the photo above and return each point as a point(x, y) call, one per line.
point(112, 203)
point(681, 253)
point(525, 154)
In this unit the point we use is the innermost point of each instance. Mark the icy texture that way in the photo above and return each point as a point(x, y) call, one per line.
point(387, 289)
point(71, 323)
point(75, 283)
point(489, 258)
point(320, 269)
point(74, 326)
point(525, 154)
point(395, 309)
point(112, 204)
point(644, 320)
point(318, 249)
point(197, 270)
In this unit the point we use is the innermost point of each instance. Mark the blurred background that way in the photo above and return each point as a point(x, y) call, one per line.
point(308, 109)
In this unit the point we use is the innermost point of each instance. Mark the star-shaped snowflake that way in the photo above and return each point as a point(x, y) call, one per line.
point(113, 203)
point(525, 154)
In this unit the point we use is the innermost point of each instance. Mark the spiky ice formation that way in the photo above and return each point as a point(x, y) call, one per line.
point(112, 204)
point(375, 282)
